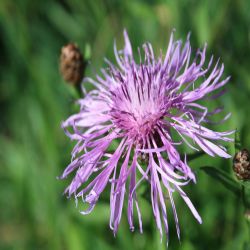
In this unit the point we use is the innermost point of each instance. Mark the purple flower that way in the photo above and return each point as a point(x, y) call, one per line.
point(140, 105)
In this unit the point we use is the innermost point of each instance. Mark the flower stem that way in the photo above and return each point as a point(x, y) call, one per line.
point(245, 200)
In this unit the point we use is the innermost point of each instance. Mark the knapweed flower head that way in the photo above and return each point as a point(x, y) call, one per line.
point(140, 105)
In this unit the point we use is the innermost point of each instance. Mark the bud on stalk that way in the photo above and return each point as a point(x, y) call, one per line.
point(72, 64)
point(241, 165)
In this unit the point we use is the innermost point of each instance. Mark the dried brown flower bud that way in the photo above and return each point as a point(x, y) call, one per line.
point(71, 64)
point(241, 165)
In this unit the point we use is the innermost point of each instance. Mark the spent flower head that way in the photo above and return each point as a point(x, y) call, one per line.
point(139, 105)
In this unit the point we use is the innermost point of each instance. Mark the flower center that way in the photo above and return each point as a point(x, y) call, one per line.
point(135, 126)
point(137, 123)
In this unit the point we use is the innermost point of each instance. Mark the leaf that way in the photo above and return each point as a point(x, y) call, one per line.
point(224, 178)
point(193, 156)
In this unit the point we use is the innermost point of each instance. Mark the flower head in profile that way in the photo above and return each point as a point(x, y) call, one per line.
point(139, 105)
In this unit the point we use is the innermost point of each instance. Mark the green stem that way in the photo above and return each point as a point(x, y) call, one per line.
point(245, 201)
point(247, 217)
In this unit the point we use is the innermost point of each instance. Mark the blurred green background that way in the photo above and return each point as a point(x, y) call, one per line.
point(34, 100)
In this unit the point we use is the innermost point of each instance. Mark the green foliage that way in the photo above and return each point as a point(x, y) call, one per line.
point(224, 178)
point(34, 100)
